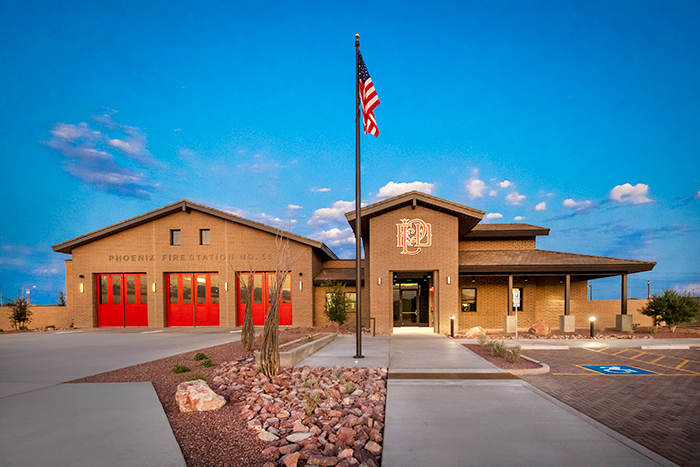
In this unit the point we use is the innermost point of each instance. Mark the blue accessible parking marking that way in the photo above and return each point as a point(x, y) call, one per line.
point(617, 370)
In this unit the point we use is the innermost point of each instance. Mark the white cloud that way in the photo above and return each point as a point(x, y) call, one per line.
point(320, 190)
point(395, 189)
point(505, 184)
point(335, 213)
point(494, 215)
point(577, 205)
point(636, 194)
point(518, 218)
point(541, 207)
point(515, 198)
point(293, 206)
point(476, 188)
point(697, 195)
point(493, 193)
point(693, 287)
point(335, 237)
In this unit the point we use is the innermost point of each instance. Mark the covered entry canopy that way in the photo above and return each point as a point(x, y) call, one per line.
point(534, 261)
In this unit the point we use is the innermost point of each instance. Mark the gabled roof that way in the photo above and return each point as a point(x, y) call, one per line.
point(468, 217)
point(546, 262)
point(506, 230)
point(186, 206)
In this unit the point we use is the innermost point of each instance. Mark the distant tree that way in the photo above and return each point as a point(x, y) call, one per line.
point(61, 299)
point(336, 306)
point(20, 314)
point(671, 308)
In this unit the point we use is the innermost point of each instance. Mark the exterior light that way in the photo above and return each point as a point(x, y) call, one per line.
point(225, 286)
point(452, 326)
point(379, 281)
point(154, 287)
point(448, 280)
point(300, 286)
point(82, 287)
point(473, 278)
point(561, 280)
point(592, 320)
point(526, 278)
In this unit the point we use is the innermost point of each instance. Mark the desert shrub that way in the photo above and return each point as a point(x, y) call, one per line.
point(497, 348)
point(672, 308)
point(207, 363)
point(180, 369)
point(196, 376)
point(653, 329)
point(349, 387)
point(634, 328)
point(19, 313)
point(481, 339)
point(513, 355)
point(200, 356)
point(311, 400)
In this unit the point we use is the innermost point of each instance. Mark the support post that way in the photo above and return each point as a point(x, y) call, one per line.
point(567, 323)
point(511, 324)
point(567, 295)
point(623, 295)
point(623, 321)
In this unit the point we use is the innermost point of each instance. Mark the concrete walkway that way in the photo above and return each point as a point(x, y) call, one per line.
point(472, 419)
point(46, 423)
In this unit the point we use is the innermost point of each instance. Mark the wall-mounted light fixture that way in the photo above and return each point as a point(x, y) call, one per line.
point(561, 280)
point(82, 287)
point(301, 287)
point(448, 280)
point(154, 287)
point(473, 278)
point(526, 279)
point(379, 281)
point(225, 286)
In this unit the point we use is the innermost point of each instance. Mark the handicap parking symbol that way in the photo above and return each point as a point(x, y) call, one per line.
point(617, 370)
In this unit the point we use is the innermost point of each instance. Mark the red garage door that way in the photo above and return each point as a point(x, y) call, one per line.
point(122, 300)
point(193, 299)
point(262, 284)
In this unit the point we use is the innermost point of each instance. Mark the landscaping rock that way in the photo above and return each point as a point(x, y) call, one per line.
point(297, 437)
point(196, 396)
point(474, 332)
point(291, 460)
point(540, 328)
point(373, 447)
point(267, 436)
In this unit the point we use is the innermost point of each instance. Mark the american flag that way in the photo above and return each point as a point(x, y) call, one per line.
point(368, 97)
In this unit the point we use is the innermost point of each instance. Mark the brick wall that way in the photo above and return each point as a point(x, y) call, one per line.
point(515, 244)
point(42, 316)
point(146, 249)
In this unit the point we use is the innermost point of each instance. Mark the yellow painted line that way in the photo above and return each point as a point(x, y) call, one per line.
point(638, 355)
point(654, 361)
point(678, 367)
point(602, 350)
point(621, 351)
point(572, 374)
point(592, 371)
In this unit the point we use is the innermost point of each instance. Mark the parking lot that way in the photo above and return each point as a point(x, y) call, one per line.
point(659, 409)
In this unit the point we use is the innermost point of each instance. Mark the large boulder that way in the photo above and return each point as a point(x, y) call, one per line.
point(540, 328)
point(474, 332)
point(197, 396)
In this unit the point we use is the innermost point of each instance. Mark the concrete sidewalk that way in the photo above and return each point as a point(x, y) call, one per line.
point(46, 423)
point(472, 419)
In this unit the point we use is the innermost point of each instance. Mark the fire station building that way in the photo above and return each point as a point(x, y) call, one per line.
point(428, 261)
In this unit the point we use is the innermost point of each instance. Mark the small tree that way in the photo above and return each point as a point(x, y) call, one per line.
point(61, 299)
point(248, 331)
point(672, 308)
point(336, 306)
point(20, 314)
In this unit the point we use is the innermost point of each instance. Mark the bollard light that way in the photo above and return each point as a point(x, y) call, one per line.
point(592, 320)
point(452, 326)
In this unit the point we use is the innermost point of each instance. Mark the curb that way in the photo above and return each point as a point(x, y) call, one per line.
point(544, 368)
point(294, 356)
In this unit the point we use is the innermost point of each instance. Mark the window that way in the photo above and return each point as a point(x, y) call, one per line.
point(204, 237)
point(517, 298)
point(468, 300)
point(175, 237)
point(351, 297)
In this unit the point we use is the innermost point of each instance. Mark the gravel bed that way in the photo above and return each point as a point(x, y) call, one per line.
point(483, 352)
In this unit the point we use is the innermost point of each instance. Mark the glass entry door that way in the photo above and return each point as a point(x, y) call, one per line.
point(410, 304)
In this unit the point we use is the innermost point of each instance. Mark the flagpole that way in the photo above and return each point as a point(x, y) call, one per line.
point(358, 216)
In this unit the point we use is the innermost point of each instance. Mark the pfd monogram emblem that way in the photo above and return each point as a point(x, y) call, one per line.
point(414, 233)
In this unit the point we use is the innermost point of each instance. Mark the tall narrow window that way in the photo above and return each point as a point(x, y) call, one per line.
point(175, 238)
point(214, 288)
point(468, 300)
point(352, 301)
point(204, 237)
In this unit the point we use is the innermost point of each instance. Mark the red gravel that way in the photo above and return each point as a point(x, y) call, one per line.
point(484, 352)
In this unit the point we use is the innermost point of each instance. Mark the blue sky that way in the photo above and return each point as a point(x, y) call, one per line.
point(583, 117)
